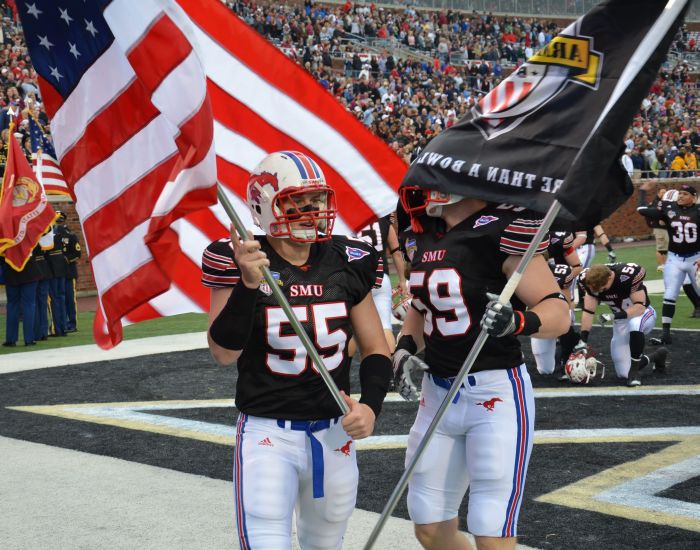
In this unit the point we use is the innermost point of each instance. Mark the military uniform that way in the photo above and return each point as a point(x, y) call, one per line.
point(56, 261)
point(72, 253)
point(21, 300)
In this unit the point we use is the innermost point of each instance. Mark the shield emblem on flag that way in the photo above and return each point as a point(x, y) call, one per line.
point(564, 59)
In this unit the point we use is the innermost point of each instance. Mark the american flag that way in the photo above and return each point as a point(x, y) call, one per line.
point(136, 151)
point(44, 163)
point(261, 102)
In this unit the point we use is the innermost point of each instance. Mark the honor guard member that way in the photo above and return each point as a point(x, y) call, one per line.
point(41, 323)
point(20, 287)
point(72, 253)
point(682, 219)
point(382, 236)
point(58, 265)
point(460, 249)
point(293, 447)
point(565, 265)
point(621, 287)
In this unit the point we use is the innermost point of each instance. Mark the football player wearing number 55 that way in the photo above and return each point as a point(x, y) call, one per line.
point(462, 252)
point(293, 447)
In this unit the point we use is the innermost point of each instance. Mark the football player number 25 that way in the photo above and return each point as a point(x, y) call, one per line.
point(445, 292)
point(290, 345)
point(687, 232)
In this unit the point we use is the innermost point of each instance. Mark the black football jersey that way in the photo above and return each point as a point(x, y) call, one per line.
point(450, 275)
point(562, 273)
point(559, 246)
point(628, 279)
point(682, 224)
point(376, 234)
point(276, 378)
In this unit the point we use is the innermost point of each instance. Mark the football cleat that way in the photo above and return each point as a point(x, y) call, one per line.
point(634, 379)
point(665, 339)
point(696, 312)
point(659, 360)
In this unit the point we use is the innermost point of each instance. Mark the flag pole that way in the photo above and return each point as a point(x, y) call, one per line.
point(284, 304)
point(504, 298)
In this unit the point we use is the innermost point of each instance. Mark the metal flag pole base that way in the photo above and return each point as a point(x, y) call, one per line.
point(504, 298)
point(284, 304)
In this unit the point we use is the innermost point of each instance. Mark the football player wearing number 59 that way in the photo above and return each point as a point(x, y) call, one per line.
point(460, 249)
point(293, 447)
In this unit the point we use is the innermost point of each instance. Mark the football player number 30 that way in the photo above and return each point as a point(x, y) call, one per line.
point(687, 232)
point(445, 292)
point(290, 345)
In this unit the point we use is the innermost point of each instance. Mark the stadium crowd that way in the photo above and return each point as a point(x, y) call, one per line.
point(450, 60)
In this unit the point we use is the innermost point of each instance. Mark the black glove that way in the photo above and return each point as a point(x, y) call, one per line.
point(498, 319)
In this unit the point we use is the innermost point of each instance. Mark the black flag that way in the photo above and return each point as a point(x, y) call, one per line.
point(554, 128)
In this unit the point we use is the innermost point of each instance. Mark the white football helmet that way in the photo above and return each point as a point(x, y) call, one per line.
point(288, 197)
point(671, 195)
point(401, 304)
point(582, 369)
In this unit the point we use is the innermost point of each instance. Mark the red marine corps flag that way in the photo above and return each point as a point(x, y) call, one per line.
point(25, 214)
point(554, 128)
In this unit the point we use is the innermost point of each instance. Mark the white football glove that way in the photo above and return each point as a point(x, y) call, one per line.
point(407, 369)
point(606, 318)
point(580, 347)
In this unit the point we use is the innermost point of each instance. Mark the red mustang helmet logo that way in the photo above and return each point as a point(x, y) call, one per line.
point(262, 179)
point(491, 403)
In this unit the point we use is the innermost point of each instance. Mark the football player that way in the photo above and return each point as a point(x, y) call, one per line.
point(565, 266)
point(460, 249)
point(293, 447)
point(621, 286)
point(682, 219)
point(382, 236)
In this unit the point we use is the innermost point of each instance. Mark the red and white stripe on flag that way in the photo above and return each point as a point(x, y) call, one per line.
point(132, 122)
point(263, 102)
point(48, 172)
point(135, 142)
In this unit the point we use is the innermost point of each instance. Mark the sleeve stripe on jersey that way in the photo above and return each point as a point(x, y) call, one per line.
point(519, 247)
point(206, 261)
point(638, 278)
point(380, 274)
point(217, 282)
point(519, 229)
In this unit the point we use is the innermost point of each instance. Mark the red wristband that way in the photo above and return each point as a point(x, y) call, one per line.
point(521, 322)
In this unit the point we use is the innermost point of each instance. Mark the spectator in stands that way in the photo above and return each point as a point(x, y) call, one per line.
point(678, 166)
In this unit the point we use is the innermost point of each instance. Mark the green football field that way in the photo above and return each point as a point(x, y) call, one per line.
point(195, 322)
